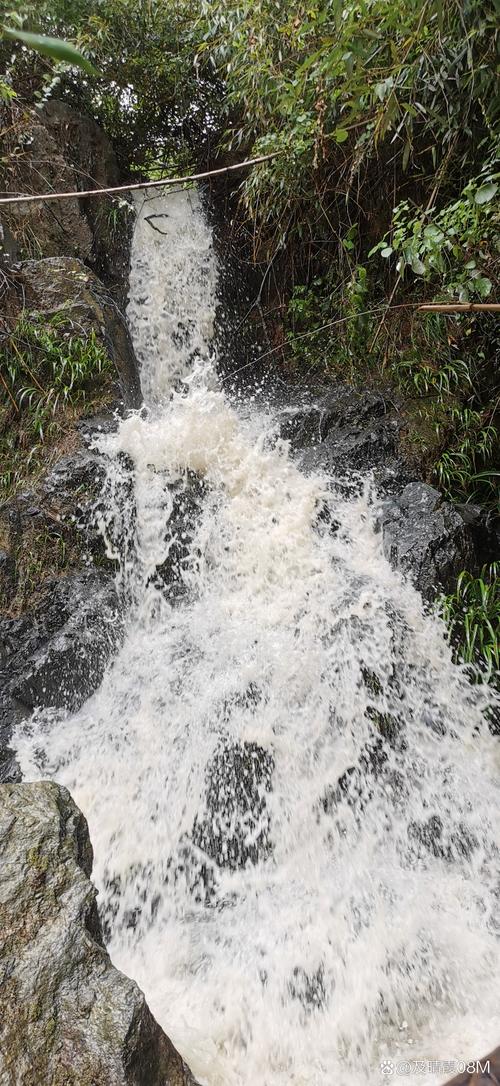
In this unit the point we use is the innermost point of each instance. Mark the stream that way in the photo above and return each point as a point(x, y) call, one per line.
point(291, 790)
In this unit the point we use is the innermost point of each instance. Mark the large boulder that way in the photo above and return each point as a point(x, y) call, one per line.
point(67, 1016)
point(429, 538)
point(40, 166)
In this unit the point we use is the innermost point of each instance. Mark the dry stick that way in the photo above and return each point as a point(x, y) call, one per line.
point(9, 394)
point(138, 185)
point(382, 319)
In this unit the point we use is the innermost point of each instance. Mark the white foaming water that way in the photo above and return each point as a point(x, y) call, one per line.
point(291, 790)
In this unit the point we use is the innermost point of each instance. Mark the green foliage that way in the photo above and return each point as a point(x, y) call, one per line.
point(419, 376)
point(153, 100)
point(455, 247)
point(47, 366)
point(316, 338)
point(46, 370)
point(472, 613)
point(7, 93)
point(336, 85)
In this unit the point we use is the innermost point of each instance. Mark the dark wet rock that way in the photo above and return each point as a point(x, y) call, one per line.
point(52, 529)
point(97, 425)
point(71, 496)
point(309, 988)
point(74, 633)
point(7, 570)
point(431, 837)
point(341, 431)
point(427, 538)
point(64, 286)
point(10, 715)
point(57, 148)
point(187, 498)
point(347, 434)
point(197, 872)
point(81, 469)
point(67, 1016)
point(355, 786)
point(236, 828)
point(56, 656)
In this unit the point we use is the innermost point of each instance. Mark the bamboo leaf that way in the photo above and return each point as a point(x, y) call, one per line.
point(50, 47)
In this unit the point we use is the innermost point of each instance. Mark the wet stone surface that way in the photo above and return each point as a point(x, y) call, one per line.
point(55, 657)
point(236, 828)
point(431, 540)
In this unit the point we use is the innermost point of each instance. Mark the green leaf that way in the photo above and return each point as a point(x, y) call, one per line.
point(486, 193)
point(51, 47)
point(433, 233)
point(340, 135)
point(483, 286)
point(376, 248)
point(387, 252)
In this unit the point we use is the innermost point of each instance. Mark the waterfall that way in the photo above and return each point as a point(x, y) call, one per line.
point(292, 791)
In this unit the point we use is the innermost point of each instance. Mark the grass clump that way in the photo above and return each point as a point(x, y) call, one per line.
point(472, 613)
point(48, 374)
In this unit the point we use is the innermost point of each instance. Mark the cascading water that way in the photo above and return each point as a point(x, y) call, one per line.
point(291, 790)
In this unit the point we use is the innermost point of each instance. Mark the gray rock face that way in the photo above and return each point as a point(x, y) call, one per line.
point(67, 1016)
point(426, 537)
point(45, 168)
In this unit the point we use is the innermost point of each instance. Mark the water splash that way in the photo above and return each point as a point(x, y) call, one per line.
point(291, 790)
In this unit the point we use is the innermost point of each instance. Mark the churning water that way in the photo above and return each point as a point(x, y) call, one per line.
point(292, 791)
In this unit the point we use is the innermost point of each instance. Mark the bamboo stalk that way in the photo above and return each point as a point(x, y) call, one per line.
point(460, 307)
point(137, 185)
